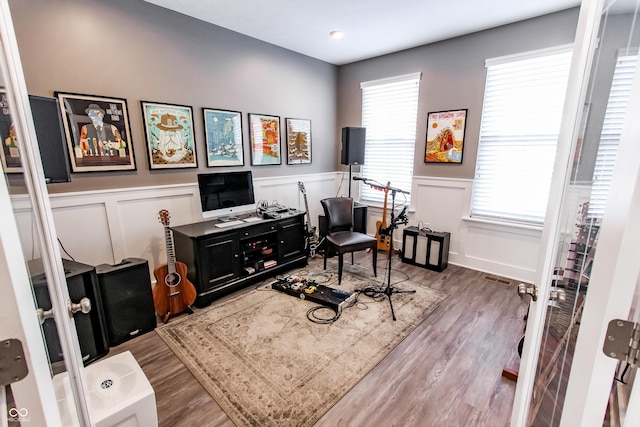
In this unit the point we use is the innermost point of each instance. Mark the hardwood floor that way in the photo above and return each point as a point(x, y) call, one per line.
point(448, 372)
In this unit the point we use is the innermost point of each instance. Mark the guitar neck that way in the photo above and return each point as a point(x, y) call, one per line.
point(171, 257)
point(306, 207)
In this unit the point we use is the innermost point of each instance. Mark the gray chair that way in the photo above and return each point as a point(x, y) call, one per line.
point(340, 237)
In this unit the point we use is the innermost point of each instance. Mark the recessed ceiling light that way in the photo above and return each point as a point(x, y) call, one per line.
point(336, 34)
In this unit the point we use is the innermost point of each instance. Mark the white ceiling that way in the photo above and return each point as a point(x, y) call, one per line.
point(372, 27)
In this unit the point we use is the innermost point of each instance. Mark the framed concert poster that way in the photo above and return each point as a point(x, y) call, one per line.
point(265, 139)
point(298, 141)
point(168, 130)
point(445, 136)
point(223, 135)
point(10, 154)
point(97, 132)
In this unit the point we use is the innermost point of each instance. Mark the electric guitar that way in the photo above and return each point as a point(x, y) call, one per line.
point(384, 242)
point(311, 242)
point(173, 292)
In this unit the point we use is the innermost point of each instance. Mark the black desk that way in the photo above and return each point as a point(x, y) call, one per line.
point(222, 259)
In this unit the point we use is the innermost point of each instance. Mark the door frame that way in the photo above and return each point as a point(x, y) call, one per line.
point(13, 75)
point(614, 274)
point(583, 53)
point(613, 279)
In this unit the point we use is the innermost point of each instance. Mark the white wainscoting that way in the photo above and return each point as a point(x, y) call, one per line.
point(442, 204)
point(104, 227)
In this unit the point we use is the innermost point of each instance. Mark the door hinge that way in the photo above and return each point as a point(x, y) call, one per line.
point(528, 289)
point(622, 341)
point(13, 364)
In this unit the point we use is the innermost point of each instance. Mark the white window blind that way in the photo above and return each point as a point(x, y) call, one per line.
point(523, 102)
point(389, 114)
point(611, 131)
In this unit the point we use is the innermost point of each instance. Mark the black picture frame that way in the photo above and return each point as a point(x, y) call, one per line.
point(93, 148)
point(223, 137)
point(444, 142)
point(169, 135)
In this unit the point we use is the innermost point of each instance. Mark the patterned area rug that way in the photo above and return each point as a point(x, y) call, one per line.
point(266, 364)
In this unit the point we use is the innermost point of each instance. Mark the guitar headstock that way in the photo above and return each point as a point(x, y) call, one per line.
point(164, 216)
point(301, 187)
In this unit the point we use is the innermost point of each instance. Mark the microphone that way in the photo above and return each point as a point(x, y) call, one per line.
point(359, 178)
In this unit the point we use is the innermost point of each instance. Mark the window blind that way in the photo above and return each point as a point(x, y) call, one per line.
point(389, 113)
point(611, 131)
point(521, 115)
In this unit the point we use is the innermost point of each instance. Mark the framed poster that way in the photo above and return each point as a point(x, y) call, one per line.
point(168, 130)
point(10, 154)
point(97, 132)
point(223, 136)
point(445, 136)
point(298, 141)
point(265, 139)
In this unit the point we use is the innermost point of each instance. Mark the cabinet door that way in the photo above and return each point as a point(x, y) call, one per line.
point(290, 239)
point(220, 260)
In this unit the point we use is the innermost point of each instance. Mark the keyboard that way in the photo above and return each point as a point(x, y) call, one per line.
point(252, 219)
point(229, 223)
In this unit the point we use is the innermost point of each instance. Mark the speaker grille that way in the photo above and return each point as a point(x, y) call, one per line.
point(127, 299)
point(353, 143)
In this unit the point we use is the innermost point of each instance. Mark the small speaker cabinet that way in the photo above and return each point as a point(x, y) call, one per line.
point(353, 144)
point(425, 248)
point(81, 282)
point(127, 299)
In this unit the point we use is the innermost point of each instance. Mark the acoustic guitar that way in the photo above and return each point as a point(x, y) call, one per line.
point(311, 242)
point(384, 242)
point(173, 292)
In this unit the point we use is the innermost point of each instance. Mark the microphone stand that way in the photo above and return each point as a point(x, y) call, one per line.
point(400, 219)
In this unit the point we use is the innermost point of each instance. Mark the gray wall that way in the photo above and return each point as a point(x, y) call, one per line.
point(134, 50)
point(453, 77)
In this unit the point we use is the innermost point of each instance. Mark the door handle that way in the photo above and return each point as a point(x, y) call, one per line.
point(84, 306)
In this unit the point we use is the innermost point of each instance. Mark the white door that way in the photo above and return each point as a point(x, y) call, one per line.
point(590, 248)
point(34, 395)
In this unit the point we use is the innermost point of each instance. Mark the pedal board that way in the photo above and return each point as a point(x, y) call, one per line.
point(308, 290)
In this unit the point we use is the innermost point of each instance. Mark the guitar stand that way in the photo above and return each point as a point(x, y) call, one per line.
point(400, 219)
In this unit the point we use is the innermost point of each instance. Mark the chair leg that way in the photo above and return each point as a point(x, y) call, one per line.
point(325, 257)
point(352, 258)
point(374, 257)
point(340, 262)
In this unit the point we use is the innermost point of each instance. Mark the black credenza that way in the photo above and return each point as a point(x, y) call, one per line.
point(223, 259)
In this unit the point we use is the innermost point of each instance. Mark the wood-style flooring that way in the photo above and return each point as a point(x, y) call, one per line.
point(448, 372)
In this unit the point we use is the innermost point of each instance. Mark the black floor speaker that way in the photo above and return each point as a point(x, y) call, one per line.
point(353, 142)
point(81, 282)
point(127, 299)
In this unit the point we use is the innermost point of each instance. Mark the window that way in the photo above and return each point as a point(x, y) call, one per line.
point(611, 131)
point(523, 102)
point(389, 113)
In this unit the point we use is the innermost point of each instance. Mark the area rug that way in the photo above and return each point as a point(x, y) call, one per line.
point(266, 364)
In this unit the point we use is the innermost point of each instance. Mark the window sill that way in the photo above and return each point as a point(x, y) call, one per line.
point(505, 226)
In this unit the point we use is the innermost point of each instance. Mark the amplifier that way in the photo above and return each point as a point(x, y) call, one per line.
point(426, 248)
